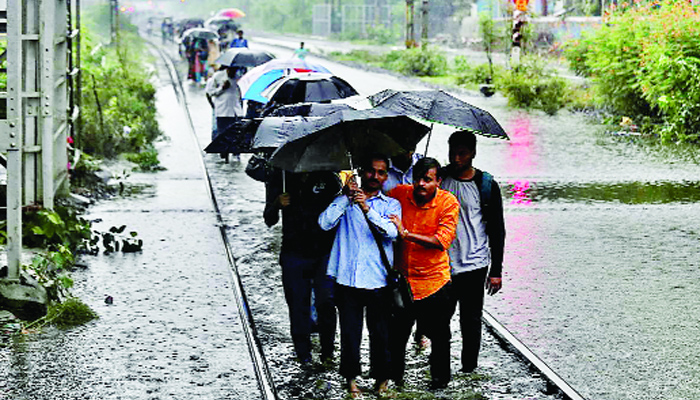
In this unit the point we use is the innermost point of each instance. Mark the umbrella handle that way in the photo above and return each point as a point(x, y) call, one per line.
point(284, 181)
point(427, 143)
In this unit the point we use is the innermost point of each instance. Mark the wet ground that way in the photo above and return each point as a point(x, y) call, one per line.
point(601, 256)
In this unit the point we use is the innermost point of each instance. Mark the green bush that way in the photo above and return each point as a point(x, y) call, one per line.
point(417, 62)
point(478, 74)
point(147, 160)
point(532, 85)
point(575, 52)
point(118, 103)
point(645, 61)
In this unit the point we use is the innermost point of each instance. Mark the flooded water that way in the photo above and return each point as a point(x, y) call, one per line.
point(601, 253)
point(599, 278)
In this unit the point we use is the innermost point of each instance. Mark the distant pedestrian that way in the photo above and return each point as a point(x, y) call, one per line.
point(213, 55)
point(426, 228)
point(224, 96)
point(304, 255)
point(301, 52)
point(239, 41)
point(357, 267)
point(479, 243)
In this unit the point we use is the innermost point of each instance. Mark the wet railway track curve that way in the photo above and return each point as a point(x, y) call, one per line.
point(260, 367)
point(556, 385)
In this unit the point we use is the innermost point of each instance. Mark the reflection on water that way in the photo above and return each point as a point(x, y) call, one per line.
point(601, 235)
point(523, 192)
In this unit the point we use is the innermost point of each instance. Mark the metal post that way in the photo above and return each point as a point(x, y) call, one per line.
point(14, 139)
point(47, 38)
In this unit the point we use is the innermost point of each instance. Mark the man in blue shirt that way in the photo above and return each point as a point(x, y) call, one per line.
point(239, 41)
point(356, 265)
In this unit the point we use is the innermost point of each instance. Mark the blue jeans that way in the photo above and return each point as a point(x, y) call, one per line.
point(299, 276)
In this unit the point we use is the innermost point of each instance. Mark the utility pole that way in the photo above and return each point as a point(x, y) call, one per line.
point(424, 28)
point(519, 21)
point(410, 38)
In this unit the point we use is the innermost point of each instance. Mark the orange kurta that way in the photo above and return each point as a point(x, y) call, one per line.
point(427, 270)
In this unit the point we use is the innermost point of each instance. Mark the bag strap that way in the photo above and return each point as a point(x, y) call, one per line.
point(378, 238)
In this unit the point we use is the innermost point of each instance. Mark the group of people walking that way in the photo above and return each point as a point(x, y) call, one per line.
point(442, 227)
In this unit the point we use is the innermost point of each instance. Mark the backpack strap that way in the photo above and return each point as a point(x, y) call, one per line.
point(483, 182)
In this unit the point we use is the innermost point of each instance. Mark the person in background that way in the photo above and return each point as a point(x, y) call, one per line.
point(201, 48)
point(304, 255)
point(357, 267)
point(479, 243)
point(212, 56)
point(427, 228)
point(301, 52)
point(401, 170)
point(224, 96)
point(239, 41)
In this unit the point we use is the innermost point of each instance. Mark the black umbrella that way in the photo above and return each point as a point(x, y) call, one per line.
point(236, 138)
point(308, 109)
point(331, 143)
point(438, 106)
point(243, 57)
point(311, 87)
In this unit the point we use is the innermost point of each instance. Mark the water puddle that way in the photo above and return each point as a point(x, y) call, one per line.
point(527, 192)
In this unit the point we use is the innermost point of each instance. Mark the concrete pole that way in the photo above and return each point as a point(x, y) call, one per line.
point(424, 23)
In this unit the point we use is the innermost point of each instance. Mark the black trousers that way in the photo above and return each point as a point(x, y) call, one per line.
point(353, 305)
point(301, 275)
point(468, 292)
point(433, 315)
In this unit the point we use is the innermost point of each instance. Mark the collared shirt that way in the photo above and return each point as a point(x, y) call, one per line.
point(227, 102)
point(426, 269)
point(397, 177)
point(355, 260)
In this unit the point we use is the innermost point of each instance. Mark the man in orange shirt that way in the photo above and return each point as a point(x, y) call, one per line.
point(427, 228)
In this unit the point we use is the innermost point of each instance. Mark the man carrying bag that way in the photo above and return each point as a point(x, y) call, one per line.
point(360, 274)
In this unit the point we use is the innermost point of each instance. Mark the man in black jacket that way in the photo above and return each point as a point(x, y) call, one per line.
point(304, 255)
point(479, 243)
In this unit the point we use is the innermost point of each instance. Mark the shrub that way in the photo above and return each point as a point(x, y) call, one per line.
point(645, 62)
point(147, 160)
point(118, 103)
point(418, 62)
point(532, 85)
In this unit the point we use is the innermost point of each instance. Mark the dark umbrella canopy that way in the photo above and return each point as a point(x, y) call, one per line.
point(308, 109)
point(274, 131)
point(343, 138)
point(438, 106)
point(236, 139)
point(312, 87)
point(243, 57)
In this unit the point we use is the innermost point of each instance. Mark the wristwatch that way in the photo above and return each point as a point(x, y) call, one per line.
point(404, 233)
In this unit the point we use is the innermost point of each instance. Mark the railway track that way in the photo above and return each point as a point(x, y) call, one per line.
point(556, 385)
point(260, 367)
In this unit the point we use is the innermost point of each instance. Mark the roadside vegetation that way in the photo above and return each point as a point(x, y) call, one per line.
point(642, 68)
point(645, 63)
point(118, 121)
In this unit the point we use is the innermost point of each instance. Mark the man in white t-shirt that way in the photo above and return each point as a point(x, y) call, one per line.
point(476, 254)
